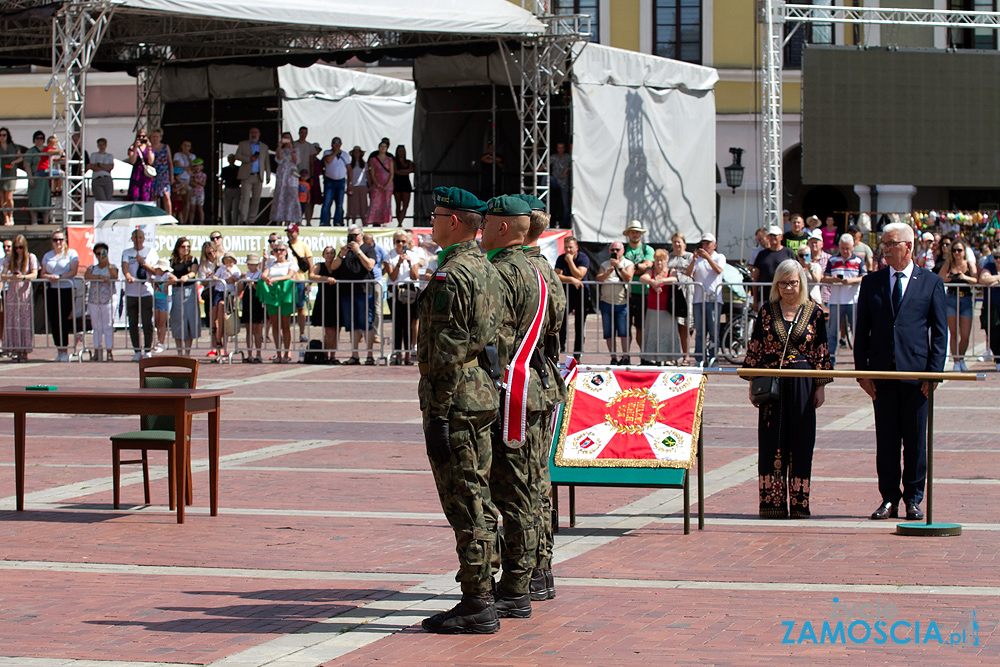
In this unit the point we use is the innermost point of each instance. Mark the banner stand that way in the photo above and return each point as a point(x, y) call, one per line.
point(664, 478)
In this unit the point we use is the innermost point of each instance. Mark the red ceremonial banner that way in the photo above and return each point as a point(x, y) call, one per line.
point(631, 419)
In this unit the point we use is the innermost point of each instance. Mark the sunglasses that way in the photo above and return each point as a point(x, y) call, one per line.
point(214, 238)
point(58, 239)
point(958, 249)
point(101, 253)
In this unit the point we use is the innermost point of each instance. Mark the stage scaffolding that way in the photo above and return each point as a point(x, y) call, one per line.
point(773, 14)
point(80, 34)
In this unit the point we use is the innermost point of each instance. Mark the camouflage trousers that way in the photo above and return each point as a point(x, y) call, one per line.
point(514, 493)
point(463, 488)
point(543, 495)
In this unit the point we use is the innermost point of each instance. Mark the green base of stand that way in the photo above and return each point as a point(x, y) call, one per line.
point(920, 529)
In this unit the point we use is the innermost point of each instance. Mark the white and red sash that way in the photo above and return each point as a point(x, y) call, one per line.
point(517, 375)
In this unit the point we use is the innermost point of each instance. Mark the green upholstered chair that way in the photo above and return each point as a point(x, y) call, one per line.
point(156, 432)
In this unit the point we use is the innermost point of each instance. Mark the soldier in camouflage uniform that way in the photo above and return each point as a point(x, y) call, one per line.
point(458, 319)
point(511, 476)
point(542, 582)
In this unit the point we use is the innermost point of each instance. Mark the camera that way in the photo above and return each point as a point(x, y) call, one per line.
point(351, 238)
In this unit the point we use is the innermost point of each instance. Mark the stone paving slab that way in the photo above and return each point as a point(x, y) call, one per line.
point(146, 617)
point(330, 545)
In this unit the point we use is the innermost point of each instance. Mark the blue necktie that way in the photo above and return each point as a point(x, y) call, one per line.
point(897, 293)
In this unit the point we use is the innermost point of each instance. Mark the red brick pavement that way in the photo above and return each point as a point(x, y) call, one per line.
point(199, 619)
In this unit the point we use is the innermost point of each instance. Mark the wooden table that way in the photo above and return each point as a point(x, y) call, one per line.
point(181, 403)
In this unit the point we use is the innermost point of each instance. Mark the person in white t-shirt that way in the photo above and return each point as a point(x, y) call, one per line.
point(101, 164)
point(226, 277)
point(614, 301)
point(706, 271)
point(60, 266)
point(137, 269)
point(402, 271)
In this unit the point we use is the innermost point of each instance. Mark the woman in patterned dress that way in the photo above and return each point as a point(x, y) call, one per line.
point(20, 267)
point(140, 186)
point(164, 163)
point(380, 173)
point(786, 429)
point(285, 206)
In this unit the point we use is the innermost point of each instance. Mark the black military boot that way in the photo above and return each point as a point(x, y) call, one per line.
point(539, 589)
point(511, 605)
point(550, 583)
point(475, 614)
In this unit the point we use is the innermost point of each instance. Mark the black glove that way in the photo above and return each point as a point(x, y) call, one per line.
point(437, 437)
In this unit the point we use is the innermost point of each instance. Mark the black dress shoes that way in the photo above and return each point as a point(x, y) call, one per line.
point(886, 510)
point(913, 512)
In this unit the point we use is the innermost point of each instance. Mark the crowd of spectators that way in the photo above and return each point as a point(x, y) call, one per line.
point(378, 187)
point(653, 300)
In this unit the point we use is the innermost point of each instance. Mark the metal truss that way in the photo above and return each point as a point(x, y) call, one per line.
point(943, 18)
point(774, 13)
point(149, 95)
point(542, 64)
point(77, 29)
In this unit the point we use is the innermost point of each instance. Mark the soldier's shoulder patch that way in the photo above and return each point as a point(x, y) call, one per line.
point(442, 301)
point(441, 276)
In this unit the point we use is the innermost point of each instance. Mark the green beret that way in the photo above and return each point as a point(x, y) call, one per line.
point(507, 205)
point(458, 199)
point(532, 201)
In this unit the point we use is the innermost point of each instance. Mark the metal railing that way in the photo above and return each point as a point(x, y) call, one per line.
point(365, 318)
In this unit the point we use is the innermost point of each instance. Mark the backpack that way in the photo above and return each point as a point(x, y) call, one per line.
point(313, 354)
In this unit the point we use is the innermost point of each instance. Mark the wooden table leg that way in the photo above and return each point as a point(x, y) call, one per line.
point(20, 424)
point(213, 458)
point(181, 457)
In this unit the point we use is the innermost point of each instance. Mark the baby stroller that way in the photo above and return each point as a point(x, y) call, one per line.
point(736, 320)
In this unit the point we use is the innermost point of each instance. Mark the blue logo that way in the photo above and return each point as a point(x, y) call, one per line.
point(879, 624)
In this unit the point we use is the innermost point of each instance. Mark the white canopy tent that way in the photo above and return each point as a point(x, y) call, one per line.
point(361, 108)
point(644, 145)
point(440, 16)
point(643, 136)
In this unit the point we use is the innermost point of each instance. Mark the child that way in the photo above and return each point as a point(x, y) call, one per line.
point(197, 198)
point(304, 189)
point(162, 279)
point(178, 193)
point(54, 154)
point(100, 279)
point(253, 314)
point(226, 277)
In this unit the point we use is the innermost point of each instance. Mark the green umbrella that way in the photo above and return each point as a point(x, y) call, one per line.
point(136, 215)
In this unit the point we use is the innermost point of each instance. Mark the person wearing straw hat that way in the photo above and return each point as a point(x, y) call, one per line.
point(641, 256)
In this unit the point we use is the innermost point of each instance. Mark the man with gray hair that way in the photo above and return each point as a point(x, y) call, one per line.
point(843, 272)
point(901, 326)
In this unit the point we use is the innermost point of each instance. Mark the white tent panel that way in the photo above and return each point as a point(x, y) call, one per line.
point(440, 16)
point(360, 108)
point(641, 151)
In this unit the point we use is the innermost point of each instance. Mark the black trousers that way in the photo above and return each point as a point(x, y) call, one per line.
point(580, 317)
point(900, 423)
point(137, 308)
point(59, 308)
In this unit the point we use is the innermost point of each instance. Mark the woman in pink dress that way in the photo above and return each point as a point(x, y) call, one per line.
point(20, 267)
point(380, 173)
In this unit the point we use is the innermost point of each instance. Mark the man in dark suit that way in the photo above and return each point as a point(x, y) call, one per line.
point(900, 326)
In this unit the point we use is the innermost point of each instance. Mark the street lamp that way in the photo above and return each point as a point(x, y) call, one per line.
point(734, 172)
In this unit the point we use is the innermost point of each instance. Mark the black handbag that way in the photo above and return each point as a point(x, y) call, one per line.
point(764, 391)
point(767, 390)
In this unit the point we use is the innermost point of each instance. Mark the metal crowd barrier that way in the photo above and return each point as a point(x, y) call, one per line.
point(388, 314)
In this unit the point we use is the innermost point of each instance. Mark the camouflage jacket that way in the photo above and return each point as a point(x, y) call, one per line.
point(459, 316)
point(520, 300)
point(554, 317)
